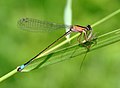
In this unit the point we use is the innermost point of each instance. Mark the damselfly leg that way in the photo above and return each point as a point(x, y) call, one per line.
point(91, 42)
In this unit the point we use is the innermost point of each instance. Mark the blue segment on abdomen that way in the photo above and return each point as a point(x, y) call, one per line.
point(22, 67)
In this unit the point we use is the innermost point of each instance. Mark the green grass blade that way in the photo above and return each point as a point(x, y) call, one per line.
point(8, 75)
point(106, 18)
point(68, 53)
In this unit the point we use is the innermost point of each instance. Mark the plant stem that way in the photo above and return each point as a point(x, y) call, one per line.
point(75, 50)
point(8, 75)
point(106, 18)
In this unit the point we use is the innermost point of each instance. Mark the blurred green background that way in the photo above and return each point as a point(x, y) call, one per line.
point(101, 68)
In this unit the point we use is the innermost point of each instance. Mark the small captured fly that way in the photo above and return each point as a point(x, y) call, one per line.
point(31, 24)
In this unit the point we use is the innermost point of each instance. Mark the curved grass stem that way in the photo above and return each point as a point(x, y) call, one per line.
point(73, 51)
point(8, 75)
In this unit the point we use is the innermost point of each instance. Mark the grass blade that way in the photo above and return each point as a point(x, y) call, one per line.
point(67, 53)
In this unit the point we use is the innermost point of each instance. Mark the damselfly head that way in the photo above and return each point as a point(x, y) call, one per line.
point(88, 27)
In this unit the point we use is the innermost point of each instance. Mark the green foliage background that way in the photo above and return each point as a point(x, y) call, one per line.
point(101, 68)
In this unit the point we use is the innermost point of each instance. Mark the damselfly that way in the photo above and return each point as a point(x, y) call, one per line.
point(31, 24)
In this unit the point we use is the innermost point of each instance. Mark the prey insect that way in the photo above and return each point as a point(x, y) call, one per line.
point(31, 24)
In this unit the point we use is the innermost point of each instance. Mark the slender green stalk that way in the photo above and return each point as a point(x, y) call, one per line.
point(106, 18)
point(8, 75)
point(73, 51)
point(115, 38)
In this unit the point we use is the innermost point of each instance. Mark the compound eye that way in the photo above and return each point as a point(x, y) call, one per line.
point(89, 27)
